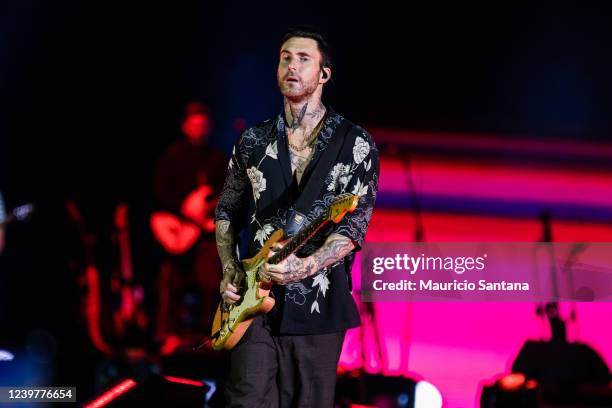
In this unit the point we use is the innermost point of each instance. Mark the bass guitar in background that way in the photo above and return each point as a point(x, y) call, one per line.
point(189, 276)
point(178, 233)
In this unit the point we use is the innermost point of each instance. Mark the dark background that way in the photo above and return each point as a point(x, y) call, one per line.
point(91, 94)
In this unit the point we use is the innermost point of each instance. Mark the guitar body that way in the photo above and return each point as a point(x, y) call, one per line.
point(179, 233)
point(174, 235)
point(231, 325)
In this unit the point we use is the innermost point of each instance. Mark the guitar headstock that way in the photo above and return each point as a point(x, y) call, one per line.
point(341, 205)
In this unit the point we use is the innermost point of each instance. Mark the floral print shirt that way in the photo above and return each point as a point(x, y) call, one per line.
point(258, 195)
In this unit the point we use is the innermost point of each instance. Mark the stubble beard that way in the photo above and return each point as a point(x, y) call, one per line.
point(297, 91)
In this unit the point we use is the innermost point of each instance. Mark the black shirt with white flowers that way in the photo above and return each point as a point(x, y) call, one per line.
point(257, 197)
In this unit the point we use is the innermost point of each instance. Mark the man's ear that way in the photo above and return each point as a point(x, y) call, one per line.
point(325, 75)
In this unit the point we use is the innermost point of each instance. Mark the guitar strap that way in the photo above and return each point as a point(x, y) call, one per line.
point(297, 214)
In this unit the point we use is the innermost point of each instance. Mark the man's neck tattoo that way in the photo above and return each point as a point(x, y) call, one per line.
point(296, 120)
point(317, 113)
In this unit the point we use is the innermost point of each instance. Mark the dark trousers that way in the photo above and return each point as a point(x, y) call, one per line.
point(269, 371)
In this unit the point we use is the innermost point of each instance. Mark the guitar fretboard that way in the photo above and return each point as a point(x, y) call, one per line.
point(299, 239)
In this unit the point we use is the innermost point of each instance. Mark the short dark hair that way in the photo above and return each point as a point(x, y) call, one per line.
point(314, 34)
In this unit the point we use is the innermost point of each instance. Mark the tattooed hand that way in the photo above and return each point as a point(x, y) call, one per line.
point(294, 269)
point(291, 269)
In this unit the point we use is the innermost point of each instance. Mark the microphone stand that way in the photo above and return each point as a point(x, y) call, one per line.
point(551, 310)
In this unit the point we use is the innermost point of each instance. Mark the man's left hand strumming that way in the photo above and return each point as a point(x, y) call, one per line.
point(294, 269)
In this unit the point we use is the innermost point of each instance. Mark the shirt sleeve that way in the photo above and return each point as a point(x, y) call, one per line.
point(363, 183)
point(234, 198)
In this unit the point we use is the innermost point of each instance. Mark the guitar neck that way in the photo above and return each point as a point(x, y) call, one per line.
point(342, 204)
point(300, 239)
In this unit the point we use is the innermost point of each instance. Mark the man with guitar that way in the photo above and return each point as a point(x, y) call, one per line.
point(286, 173)
point(188, 178)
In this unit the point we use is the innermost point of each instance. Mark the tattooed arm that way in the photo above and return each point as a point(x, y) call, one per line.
point(230, 216)
point(294, 269)
point(232, 270)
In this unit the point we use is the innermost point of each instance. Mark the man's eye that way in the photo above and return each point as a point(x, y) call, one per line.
point(304, 59)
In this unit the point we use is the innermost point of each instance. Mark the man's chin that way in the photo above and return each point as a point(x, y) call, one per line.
point(292, 93)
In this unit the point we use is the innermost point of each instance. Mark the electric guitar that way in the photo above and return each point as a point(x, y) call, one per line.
point(231, 321)
point(177, 234)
